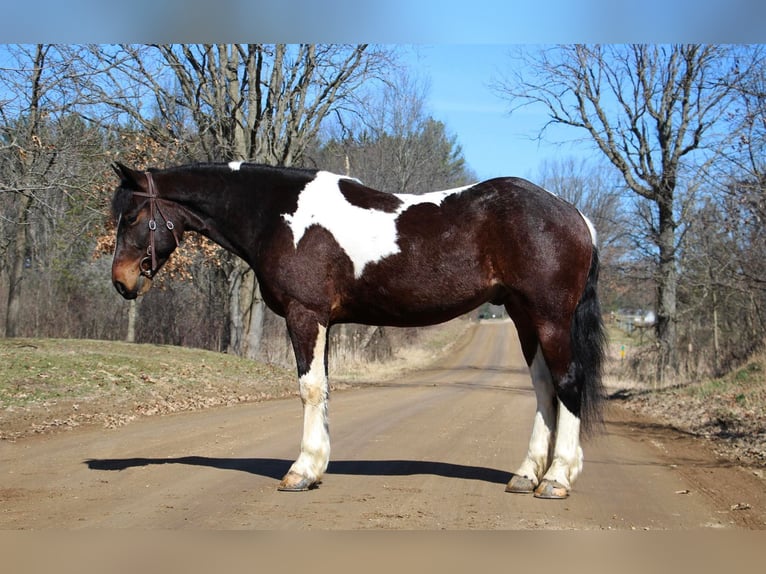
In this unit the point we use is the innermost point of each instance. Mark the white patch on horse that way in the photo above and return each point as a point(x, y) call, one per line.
point(591, 228)
point(366, 235)
point(235, 165)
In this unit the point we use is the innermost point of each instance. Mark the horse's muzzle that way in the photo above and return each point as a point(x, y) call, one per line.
point(141, 285)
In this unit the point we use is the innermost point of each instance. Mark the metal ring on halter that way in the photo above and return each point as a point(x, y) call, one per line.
point(145, 267)
point(152, 224)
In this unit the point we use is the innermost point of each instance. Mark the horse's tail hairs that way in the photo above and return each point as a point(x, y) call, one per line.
point(589, 349)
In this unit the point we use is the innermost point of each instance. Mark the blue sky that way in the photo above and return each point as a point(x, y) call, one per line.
point(494, 142)
point(389, 21)
point(461, 45)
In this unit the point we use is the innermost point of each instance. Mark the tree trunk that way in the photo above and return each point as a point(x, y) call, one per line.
point(12, 318)
point(253, 315)
point(247, 312)
point(234, 278)
point(132, 316)
point(716, 342)
point(667, 283)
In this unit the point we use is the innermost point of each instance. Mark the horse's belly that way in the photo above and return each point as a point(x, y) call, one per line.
point(419, 301)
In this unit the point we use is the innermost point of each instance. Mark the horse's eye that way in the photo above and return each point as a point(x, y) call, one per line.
point(131, 218)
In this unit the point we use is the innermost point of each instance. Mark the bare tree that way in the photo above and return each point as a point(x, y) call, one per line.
point(42, 141)
point(227, 102)
point(656, 113)
point(742, 178)
point(50, 208)
point(398, 147)
point(25, 148)
point(724, 282)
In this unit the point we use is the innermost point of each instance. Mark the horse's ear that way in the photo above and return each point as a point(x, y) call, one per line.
point(126, 175)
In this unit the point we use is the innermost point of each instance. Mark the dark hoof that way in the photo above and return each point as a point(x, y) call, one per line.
point(552, 490)
point(294, 482)
point(520, 485)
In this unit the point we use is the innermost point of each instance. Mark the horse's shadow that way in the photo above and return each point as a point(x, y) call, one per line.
point(276, 468)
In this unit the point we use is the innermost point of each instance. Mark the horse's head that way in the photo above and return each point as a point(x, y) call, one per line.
point(147, 232)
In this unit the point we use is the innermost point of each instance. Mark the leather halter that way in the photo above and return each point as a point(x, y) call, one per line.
point(154, 209)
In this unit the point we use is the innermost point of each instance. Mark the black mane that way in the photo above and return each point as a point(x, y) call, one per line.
point(124, 192)
point(224, 167)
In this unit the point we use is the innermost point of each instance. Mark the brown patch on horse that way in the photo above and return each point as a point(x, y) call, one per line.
point(368, 198)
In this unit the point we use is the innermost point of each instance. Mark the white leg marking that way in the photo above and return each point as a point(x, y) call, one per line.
point(235, 165)
point(315, 445)
point(543, 428)
point(567, 454)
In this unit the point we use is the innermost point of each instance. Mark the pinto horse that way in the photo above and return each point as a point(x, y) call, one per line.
point(326, 249)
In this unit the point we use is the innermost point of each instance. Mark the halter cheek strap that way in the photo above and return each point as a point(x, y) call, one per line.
point(154, 210)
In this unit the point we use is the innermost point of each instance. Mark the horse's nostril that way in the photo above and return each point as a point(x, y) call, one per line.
point(122, 290)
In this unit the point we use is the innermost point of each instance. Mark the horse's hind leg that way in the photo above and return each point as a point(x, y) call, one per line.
point(309, 338)
point(528, 475)
point(567, 460)
point(567, 457)
point(538, 458)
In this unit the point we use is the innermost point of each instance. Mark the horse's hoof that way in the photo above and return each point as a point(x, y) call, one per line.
point(552, 490)
point(294, 482)
point(520, 485)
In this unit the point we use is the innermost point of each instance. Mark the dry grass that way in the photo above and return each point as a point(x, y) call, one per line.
point(429, 344)
point(730, 411)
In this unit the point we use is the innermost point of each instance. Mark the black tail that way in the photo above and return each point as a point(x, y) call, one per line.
point(588, 351)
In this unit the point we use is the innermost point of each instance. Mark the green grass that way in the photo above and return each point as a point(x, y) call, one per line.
point(744, 387)
point(33, 371)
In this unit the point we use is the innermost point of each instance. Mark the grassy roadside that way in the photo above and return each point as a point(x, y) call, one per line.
point(729, 411)
point(47, 385)
point(35, 371)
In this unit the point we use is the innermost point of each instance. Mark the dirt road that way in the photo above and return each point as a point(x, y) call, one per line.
point(431, 451)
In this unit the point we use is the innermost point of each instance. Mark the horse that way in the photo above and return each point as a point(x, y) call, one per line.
point(326, 249)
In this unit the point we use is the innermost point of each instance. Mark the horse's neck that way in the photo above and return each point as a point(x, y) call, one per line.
point(223, 216)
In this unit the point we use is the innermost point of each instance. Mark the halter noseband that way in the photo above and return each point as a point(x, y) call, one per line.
point(154, 210)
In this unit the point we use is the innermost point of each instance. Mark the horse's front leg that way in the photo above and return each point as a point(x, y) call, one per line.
point(309, 338)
